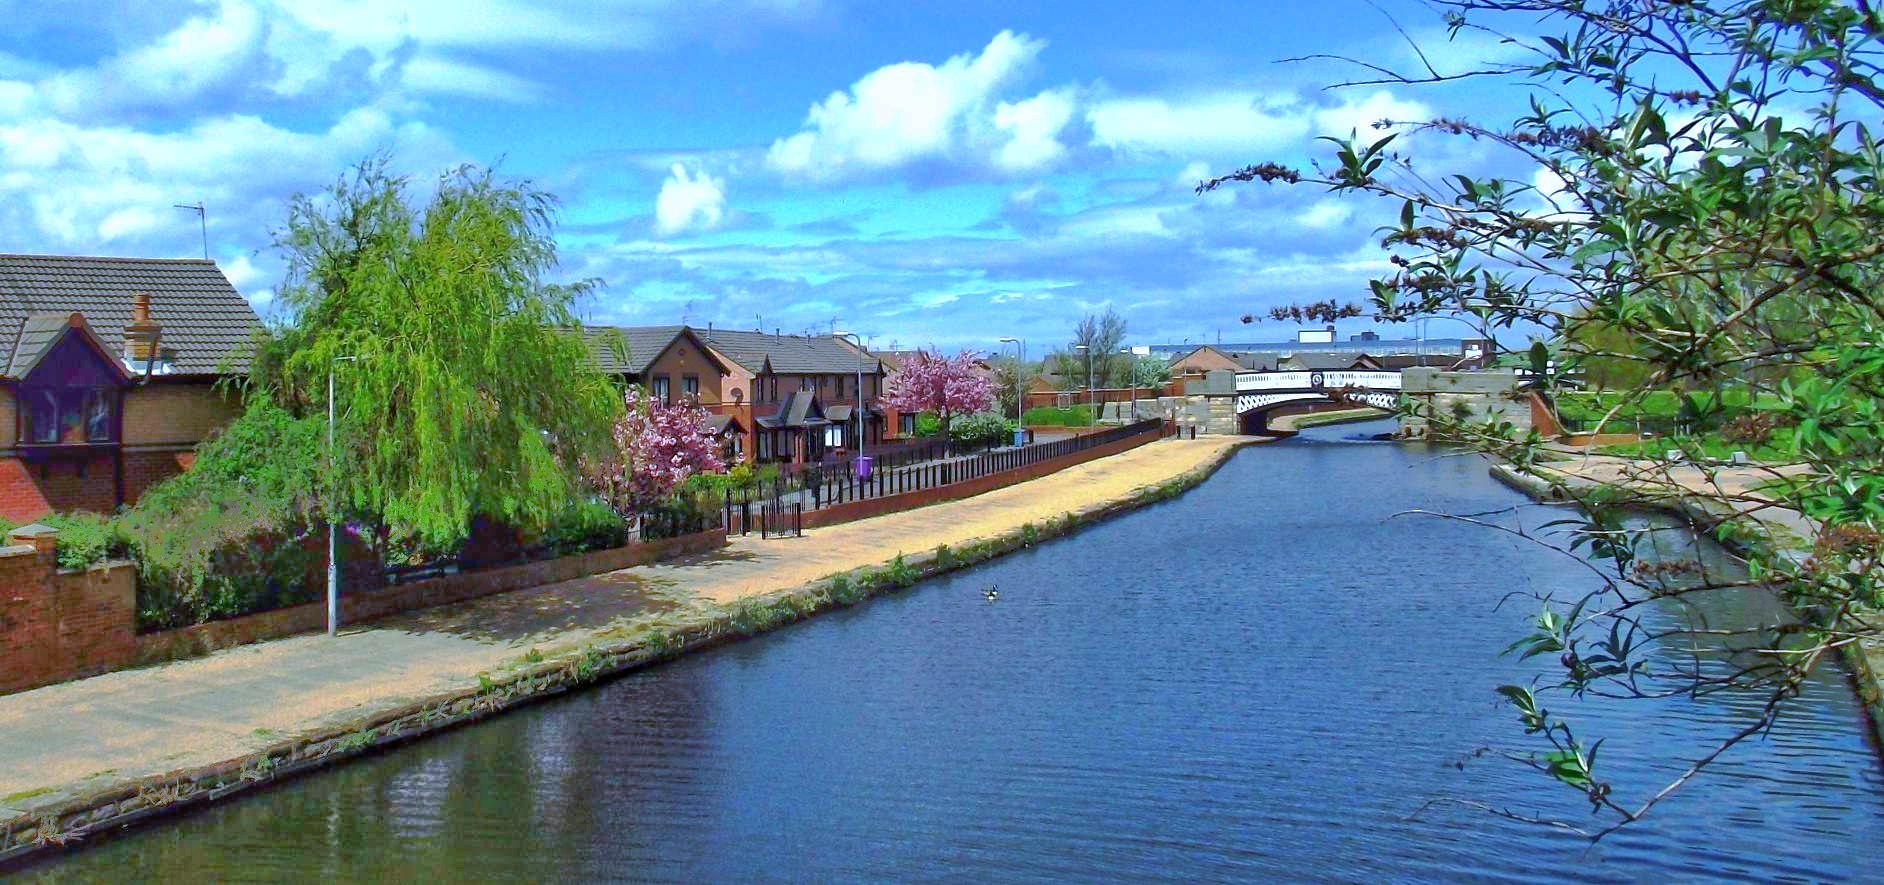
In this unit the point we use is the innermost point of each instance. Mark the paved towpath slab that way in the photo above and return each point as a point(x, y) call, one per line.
point(135, 723)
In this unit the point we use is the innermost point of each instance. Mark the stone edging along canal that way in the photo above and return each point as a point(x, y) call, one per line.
point(35, 835)
point(1865, 679)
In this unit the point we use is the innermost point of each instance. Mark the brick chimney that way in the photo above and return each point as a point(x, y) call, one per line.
point(140, 337)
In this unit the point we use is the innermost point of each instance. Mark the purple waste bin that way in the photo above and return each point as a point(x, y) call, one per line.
point(863, 466)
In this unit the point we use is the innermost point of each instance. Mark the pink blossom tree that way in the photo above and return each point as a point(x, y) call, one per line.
point(656, 447)
point(945, 385)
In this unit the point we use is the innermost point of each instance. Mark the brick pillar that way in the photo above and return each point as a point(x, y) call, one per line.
point(29, 637)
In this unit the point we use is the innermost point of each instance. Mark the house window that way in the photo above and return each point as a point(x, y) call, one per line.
point(906, 424)
point(661, 391)
point(840, 387)
point(834, 436)
point(774, 388)
point(56, 415)
point(690, 386)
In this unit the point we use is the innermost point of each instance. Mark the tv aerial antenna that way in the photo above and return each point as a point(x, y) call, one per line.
point(202, 219)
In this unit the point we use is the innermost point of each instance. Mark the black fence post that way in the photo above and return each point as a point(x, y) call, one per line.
point(798, 520)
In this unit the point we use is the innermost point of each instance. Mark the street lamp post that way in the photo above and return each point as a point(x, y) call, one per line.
point(1092, 407)
point(1020, 387)
point(333, 524)
point(1132, 379)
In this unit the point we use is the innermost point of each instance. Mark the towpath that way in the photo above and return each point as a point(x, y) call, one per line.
point(65, 739)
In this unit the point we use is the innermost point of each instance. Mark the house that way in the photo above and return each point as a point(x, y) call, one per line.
point(801, 398)
point(1204, 359)
point(674, 365)
point(108, 371)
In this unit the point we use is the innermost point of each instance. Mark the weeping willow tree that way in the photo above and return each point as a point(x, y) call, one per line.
point(462, 386)
point(1692, 197)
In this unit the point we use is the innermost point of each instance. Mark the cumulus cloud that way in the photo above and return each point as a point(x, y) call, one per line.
point(911, 112)
point(689, 201)
point(69, 187)
point(1217, 124)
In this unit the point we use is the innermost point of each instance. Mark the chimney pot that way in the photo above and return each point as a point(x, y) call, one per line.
point(141, 335)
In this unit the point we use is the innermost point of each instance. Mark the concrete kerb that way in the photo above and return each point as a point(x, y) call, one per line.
point(1551, 487)
point(42, 829)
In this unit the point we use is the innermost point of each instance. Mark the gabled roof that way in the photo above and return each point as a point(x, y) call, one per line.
point(722, 425)
point(801, 409)
point(40, 333)
point(645, 344)
point(204, 319)
point(759, 352)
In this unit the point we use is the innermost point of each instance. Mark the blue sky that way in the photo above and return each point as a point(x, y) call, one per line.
point(924, 172)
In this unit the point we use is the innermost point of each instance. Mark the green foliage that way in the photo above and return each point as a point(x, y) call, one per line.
point(1051, 416)
point(463, 386)
point(85, 539)
point(983, 429)
point(586, 524)
point(928, 425)
point(231, 534)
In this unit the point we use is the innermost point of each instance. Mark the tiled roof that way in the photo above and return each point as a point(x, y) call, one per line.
point(206, 322)
point(787, 354)
point(644, 343)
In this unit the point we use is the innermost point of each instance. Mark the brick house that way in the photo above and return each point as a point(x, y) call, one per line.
point(798, 394)
point(673, 365)
point(108, 371)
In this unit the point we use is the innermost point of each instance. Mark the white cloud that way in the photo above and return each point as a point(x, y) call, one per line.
point(913, 111)
point(205, 53)
point(1361, 115)
point(68, 187)
point(1324, 215)
point(689, 201)
point(1035, 126)
point(435, 74)
point(1218, 124)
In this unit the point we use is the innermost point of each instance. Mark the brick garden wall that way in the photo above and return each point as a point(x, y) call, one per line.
point(57, 626)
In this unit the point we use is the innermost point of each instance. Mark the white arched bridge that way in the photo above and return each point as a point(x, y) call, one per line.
point(1258, 394)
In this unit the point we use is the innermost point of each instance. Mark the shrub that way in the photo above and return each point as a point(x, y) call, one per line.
point(238, 532)
point(85, 539)
point(587, 524)
point(928, 425)
point(981, 429)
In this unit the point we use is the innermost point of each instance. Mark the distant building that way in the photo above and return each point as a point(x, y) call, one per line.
point(1324, 335)
point(1369, 335)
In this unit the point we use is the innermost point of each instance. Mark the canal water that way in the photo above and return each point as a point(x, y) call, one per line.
point(1263, 679)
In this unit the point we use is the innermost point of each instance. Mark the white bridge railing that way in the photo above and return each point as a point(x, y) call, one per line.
point(1248, 382)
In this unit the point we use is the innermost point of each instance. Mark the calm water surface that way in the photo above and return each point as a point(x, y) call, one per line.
point(1260, 680)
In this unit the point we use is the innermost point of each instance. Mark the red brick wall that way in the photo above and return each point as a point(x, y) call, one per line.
point(57, 626)
point(29, 490)
point(145, 469)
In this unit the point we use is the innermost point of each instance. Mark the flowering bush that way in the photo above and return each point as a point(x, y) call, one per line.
point(944, 385)
point(656, 447)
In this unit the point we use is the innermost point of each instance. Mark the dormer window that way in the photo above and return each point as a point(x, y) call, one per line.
point(70, 385)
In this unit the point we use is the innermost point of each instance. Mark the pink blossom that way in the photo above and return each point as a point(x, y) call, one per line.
point(947, 386)
point(657, 446)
